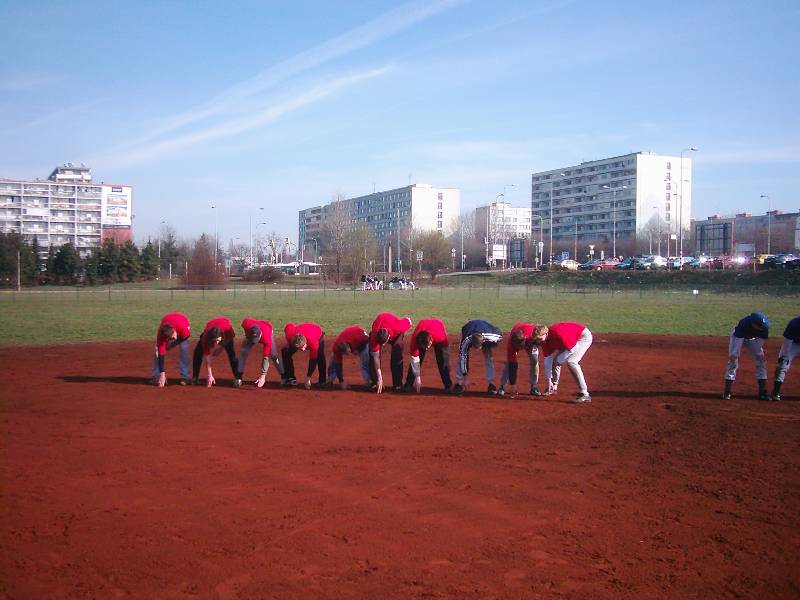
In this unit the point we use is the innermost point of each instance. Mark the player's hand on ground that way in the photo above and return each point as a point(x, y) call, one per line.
point(260, 381)
point(380, 383)
point(418, 384)
point(465, 383)
point(162, 379)
point(210, 380)
point(551, 389)
point(308, 383)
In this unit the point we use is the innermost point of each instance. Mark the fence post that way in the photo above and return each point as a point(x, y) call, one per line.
point(171, 294)
point(234, 291)
point(498, 290)
point(295, 291)
point(470, 288)
point(204, 292)
point(527, 290)
point(77, 289)
point(109, 293)
point(265, 291)
point(441, 291)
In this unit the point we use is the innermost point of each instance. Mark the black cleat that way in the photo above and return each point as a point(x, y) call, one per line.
point(491, 389)
point(458, 389)
point(535, 391)
point(726, 396)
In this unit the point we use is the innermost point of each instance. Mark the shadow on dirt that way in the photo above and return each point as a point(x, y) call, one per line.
point(91, 379)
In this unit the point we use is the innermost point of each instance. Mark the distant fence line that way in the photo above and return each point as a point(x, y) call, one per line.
point(480, 290)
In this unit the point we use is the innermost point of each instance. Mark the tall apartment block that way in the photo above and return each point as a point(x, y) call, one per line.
point(747, 234)
point(66, 207)
point(613, 198)
point(388, 214)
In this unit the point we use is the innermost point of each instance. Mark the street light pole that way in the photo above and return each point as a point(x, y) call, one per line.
point(769, 223)
point(216, 242)
point(551, 215)
point(538, 260)
point(680, 209)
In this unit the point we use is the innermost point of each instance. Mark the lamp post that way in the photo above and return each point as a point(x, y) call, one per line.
point(462, 240)
point(216, 244)
point(614, 212)
point(575, 255)
point(680, 209)
point(453, 257)
point(658, 219)
point(251, 239)
point(769, 223)
point(538, 259)
point(551, 214)
point(250, 218)
point(315, 249)
point(159, 247)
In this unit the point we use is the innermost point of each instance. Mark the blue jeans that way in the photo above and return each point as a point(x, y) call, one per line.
point(183, 360)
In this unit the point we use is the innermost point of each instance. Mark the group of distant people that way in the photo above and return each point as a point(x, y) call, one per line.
point(370, 283)
point(560, 344)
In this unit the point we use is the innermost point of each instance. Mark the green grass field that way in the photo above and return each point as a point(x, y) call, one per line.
point(44, 317)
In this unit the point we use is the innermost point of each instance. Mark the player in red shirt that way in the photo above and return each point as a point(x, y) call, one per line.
point(217, 336)
point(388, 329)
point(304, 337)
point(258, 332)
point(521, 338)
point(353, 340)
point(429, 332)
point(564, 343)
point(172, 331)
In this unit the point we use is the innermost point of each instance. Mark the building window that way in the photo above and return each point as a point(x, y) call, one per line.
point(668, 177)
point(440, 196)
point(669, 166)
point(440, 206)
point(440, 216)
point(439, 226)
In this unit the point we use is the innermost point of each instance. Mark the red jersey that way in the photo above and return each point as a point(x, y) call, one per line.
point(433, 326)
point(224, 326)
point(390, 322)
point(181, 325)
point(353, 336)
point(527, 329)
point(266, 332)
point(561, 337)
point(312, 332)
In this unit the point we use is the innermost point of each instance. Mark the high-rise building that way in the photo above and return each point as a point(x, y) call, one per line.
point(502, 221)
point(611, 199)
point(390, 214)
point(66, 207)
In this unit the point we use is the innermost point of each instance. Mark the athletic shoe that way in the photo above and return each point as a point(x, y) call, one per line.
point(501, 391)
point(726, 396)
point(491, 389)
point(535, 391)
point(237, 383)
point(776, 398)
point(289, 382)
point(195, 381)
point(458, 389)
point(582, 399)
point(186, 382)
point(154, 381)
point(372, 387)
point(764, 396)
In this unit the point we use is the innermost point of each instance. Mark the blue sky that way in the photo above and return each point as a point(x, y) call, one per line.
point(282, 105)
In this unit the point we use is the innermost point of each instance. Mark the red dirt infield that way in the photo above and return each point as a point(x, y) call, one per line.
point(112, 488)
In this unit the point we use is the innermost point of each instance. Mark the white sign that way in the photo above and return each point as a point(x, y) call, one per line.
point(116, 205)
point(498, 252)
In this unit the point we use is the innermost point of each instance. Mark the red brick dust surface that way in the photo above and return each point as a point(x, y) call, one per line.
point(658, 488)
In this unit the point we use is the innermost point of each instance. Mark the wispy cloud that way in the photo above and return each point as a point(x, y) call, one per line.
point(752, 155)
point(21, 83)
point(243, 124)
point(381, 27)
point(50, 117)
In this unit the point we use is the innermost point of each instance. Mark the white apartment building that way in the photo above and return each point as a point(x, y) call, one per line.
point(390, 214)
point(503, 222)
point(612, 199)
point(66, 207)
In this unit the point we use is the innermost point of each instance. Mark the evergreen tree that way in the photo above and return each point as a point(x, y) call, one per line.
point(34, 265)
point(90, 267)
point(50, 265)
point(149, 261)
point(108, 261)
point(129, 266)
point(67, 264)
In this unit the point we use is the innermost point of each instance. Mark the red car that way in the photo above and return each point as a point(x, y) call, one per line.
point(603, 265)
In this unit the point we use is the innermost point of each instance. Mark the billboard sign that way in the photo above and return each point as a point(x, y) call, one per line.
point(116, 205)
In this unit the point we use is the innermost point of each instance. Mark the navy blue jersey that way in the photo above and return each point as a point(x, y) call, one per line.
point(752, 326)
point(491, 334)
point(793, 330)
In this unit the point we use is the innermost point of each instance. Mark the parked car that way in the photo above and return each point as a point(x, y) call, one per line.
point(568, 264)
point(760, 258)
point(700, 262)
point(589, 265)
point(627, 264)
point(792, 264)
point(778, 260)
point(606, 264)
point(678, 262)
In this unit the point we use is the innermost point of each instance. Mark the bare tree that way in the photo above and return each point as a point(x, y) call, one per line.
point(435, 250)
point(335, 234)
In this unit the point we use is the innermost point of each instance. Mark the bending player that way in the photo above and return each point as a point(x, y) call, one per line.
point(388, 329)
point(429, 333)
point(172, 331)
point(564, 343)
point(216, 337)
point(476, 334)
point(521, 337)
point(789, 349)
point(751, 332)
point(304, 337)
point(353, 340)
point(258, 332)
